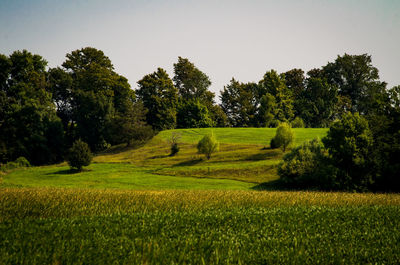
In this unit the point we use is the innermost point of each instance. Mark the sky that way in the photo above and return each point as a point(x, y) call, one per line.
point(224, 39)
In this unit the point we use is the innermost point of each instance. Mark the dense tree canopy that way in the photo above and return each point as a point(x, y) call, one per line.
point(160, 97)
point(29, 125)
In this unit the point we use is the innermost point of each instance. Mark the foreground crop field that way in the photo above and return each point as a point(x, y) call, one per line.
point(91, 226)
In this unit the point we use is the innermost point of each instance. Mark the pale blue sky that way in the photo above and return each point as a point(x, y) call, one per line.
point(225, 39)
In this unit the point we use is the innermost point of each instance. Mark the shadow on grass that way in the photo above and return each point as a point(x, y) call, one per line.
point(121, 148)
point(188, 163)
point(275, 185)
point(159, 156)
point(271, 153)
point(68, 171)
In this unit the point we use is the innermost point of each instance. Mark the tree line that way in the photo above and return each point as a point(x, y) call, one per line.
point(44, 111)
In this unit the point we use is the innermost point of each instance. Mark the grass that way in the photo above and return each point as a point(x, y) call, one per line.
point(142, 206)
point(114, 176)
point(255, 136)
point(243, 162)
point(92, 226)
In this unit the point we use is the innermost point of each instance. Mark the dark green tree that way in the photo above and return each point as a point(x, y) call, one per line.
point(307, 166)
point(350, 143)
point(239, 102)
point(353, 75)
point(193, 114)
point(96, 96)
point(318, 103)
point(296, 83)
point(266, 111)
point(160, 97)
point(79, 155)
point(273, 84)
point(192, 84)
point(29, 126)
point(130, 126)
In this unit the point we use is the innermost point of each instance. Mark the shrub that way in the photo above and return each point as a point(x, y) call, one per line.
point(306, 166)
point(79, 155)
point(174, 149)
point(297, 123)
point(174, 143)
point(349, 142)
point(208, 145)
point(19, 162)
point(284, 136)
point(22, 162)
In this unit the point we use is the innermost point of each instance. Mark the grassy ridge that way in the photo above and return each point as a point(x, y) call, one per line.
point(151, 167)
point(42, 226)
point(259, 136)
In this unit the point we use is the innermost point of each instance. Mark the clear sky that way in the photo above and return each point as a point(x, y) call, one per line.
point(224, 39)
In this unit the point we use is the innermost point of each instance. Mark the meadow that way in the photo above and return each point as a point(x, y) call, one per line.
point(142, 206)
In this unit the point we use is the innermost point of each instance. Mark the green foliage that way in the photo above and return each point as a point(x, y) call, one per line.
point(29, 126)
point(160, 97)
point(208, 145)
point(266, 111)
point(318, 103)
point(239, 102)
point(353, 75)
point(193, 114)
point(130, 128)
point(192, 83)
point(349, 143)
point(79, 155)
point(174, 141)
point(92, 99)
point(297, 123)
point(94, 226)
point(19, 162)
point(284, 136)
point(275, 85)
point(306, 166)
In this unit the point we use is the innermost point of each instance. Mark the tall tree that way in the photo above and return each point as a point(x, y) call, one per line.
point(29, 125)
point(160, 97)
point(295, 82)
point(96, 94)
point(353, 75)
point(273, 84)
point(192, 83)
point(239, 101)
point(318, 103)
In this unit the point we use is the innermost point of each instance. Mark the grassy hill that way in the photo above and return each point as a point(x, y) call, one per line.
point(243, 162)
point(142, 206)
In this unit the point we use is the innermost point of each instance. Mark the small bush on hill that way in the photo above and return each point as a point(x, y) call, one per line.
point(284, 136)
point(174, 143)
point(208, 145)
point(79, 155)
point(19, 162)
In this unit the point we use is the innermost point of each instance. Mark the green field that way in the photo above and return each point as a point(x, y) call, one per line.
point(142, 206)
point(92, 226)
point(243, 162)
